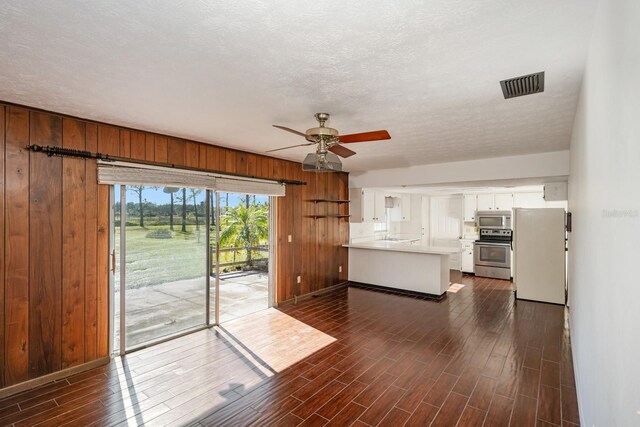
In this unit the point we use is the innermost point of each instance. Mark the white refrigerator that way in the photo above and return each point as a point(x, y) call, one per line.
point(539, 254)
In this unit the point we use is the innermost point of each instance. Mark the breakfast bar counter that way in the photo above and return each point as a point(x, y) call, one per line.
point(402, 266)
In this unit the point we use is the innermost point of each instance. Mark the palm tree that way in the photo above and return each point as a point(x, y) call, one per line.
point(244, 227)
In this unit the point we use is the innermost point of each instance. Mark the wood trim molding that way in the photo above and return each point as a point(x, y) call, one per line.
point(314, 294)
point(37, 382)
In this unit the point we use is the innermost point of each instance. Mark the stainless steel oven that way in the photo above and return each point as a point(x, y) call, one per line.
point(494, 220)
point(492, 254)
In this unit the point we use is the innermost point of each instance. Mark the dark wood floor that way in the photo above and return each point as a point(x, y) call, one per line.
point(354, 357)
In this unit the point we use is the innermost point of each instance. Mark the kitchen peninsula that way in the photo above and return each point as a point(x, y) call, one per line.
point(401, 266)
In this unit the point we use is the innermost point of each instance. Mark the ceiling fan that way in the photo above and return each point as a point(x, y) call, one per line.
point(329, 144)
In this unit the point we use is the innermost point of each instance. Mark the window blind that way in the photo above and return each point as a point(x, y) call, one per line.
point(139, 174)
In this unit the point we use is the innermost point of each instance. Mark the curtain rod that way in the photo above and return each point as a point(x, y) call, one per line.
point(68, 152)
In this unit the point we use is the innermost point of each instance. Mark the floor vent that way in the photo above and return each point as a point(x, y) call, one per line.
point(523, 85)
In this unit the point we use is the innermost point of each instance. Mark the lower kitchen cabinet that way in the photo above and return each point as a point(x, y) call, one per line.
point(466, 256)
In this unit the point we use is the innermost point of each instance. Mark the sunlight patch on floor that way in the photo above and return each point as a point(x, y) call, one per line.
point(272, 340)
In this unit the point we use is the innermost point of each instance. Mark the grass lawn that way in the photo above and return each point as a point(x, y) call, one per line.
point(154, 261)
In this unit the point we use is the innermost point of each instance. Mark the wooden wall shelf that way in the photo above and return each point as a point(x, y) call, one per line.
point(328, 216)
point(325, 214)
point(330, 201)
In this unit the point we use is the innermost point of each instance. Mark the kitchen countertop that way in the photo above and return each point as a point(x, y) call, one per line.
point(402, 247)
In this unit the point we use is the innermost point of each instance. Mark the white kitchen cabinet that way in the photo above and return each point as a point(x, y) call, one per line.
point(466, 256)
point(503, 201)
point(494, 202)
point(379, 210)
point(485, 202)
point(366, 205)
point(470, 202)
point(401, 211)
point(528, 200)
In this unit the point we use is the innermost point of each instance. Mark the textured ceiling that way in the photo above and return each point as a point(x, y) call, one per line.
point(223, 72)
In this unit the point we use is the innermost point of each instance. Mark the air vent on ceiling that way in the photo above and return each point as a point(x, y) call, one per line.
point(523, 85)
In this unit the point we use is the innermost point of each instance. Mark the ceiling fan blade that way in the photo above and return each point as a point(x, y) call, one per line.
point(376, 135)
point(290, 130)
point(341, 151)
point(291, 146)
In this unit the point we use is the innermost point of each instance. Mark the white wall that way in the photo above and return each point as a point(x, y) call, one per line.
point(543, 165)
point(604, 198)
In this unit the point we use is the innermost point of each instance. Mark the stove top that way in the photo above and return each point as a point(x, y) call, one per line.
point(495, 236)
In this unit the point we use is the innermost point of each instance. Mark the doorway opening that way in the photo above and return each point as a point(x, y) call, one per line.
point(186, 259)
point(243, 262)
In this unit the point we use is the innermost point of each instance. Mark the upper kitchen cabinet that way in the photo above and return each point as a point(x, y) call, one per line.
point(528, 200)
point(401, 211)
point(503, 201)
point(485, 202)
point(366, 205)
point(494, 202)
point(470, 207)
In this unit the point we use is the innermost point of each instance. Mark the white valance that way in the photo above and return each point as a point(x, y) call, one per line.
point(141, 174)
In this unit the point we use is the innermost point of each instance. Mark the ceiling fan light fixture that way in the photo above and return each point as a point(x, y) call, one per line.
point(324, 162)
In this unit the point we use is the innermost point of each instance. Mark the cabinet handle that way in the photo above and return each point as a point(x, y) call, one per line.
point(113, 262)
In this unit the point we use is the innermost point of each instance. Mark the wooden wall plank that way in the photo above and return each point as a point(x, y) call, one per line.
point(90, 247)
point(150, 147)
point(2, 272)
point(343, 194)
point(211, 160)
point(310, 265)
point(192, 154)
point(16, 368)
point(294, 171)
point(73, 245)
point(221, 156)
point(45, 248)
point(138, 146)
point(230, 161)
point(162, 146)
point(321, 236)
point(176, 151)
point(242, 166)
point(108, 140)
point(252, 165)
point(284, 287)
point(125, 143)
point(202, 156)
point(102, 298)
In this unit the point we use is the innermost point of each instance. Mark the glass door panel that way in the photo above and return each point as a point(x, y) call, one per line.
point(115, 304)
point(165, 262)
point(214, 218)
point(243, 254)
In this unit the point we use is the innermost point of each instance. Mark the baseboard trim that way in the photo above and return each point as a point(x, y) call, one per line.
point(314, 294)
point(401, 292)
point(37, 382)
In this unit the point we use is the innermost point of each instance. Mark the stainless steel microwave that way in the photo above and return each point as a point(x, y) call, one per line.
point(494, 219)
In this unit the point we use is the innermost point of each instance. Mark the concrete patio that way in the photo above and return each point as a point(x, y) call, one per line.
point(162, 310)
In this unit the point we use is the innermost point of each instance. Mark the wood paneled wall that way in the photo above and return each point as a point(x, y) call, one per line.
point(54, 253)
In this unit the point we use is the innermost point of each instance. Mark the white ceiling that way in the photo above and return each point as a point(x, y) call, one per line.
point(224, 72)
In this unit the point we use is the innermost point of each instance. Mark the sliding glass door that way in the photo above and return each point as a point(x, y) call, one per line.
point(188, 259)
point(243, 246)
point(163, 246)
